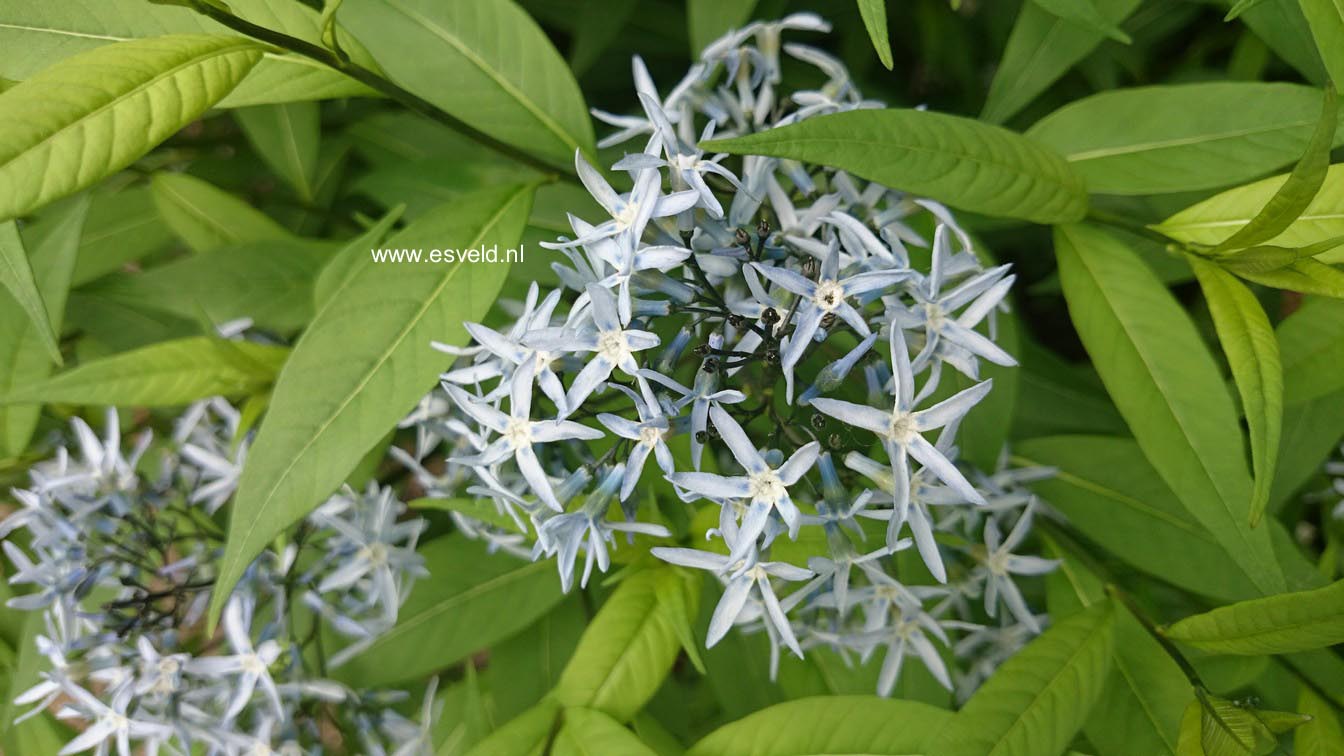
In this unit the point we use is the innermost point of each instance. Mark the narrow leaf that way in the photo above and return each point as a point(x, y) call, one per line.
point(527, 734)
point(206, 217)
point(1296, 194)
point(346, 262)
point(1241, 7)
point(1253, 352)
point(121, 228)
point(1303, 276)
point(588, 731)
point(287, 139)
point(477, 509)
point(1035, 703)
point(1278, 624)
point(1085, 14)
point(17, 276)
point(827, 725)
point(1322, 736)
point(88, 117)
point(361, 365)
point(707, 20)
point(1313, 350)
point(1326, 19)
point(874, 14)
point(1168, 388)
point(166, 374)
point(967, 164)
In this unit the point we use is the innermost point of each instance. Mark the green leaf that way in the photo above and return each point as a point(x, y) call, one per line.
point(1040, 697)
point(166, 374)
point(630, 645)
point(346, 262)
point(53, 259)
point(37, 33)
point(472, 601)
point(1268, 259)
point(121, 228)
point(477, 509)
point(1312, 350)
point(270, 282)
point(1326, 19)
point(525, 667)
point(1212, 221)
point(1085, 14)
point(1322, 736)
point(1296, 194)
point(205, 217)
point(1303, 276)
point(1041, 49)
point(1241, 7)
point(1281, 25)
point(17, 276)
point(361, 365)
point(507, 78)
point(19, 670)
point(287, 138)
point(1253, 353)
point(115, 103)
point(1168, 388)
point(1112, 495)
point(587, 732)
point(827, 725)
point(1227, 728)
point(1278, 624)
point(1180, 137)
point(967, 164)
point(528, 734)
point(708, 20)
point(874, 14)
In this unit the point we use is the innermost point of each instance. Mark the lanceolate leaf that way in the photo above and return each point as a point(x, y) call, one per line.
point(1253, 352)
point(1042, 48)
point(287, 139)
point(361, 365)
point(53, 259)
point(128, 98)
point(1284, 29)
point(630, 645)
point(1278, 624)
point(1085, 14)
point(1180, 137)
point(587, 732)
point(477, 509)
point(205, 217)
point(1313, 350)
point(1323, 735)
point(121, 228)
point(709, 19)
point(1326, 19)
point(1296, 194)
point(827, 725)
point(1303, 276)
point(1040, 697)
point(506, 78)
point(528, 734)
point(347, 261)
point(17, 277)
point(1215, 219)
point(1168, 388)
point(874, 14)
point(160, 375)
point(964, 163)
point(472, 601)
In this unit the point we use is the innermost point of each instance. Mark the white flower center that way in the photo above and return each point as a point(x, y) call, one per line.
point(650, 436)
point(998, 562)
point(902, 427)
point(519, 433)
point(687, 162)
point(626, 217)
point(252, 664)
point(829, 295)
point(767, 486)
point(934, 315)
point(376, 553)
point(613, 346)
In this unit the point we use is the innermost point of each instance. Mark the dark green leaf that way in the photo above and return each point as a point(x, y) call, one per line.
point(710, 19)
point(874, 14)
point(287, 138)
point(206, 217)
point(828, 725)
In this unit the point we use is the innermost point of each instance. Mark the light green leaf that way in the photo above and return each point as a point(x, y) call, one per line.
point(53, 259)
point(1322, 736)
point(17, 276)
point(1168, 388)
point(1326, 19)
point(37, 33)
point(346, 262)
point(1303, 276)
point(827, 725)
point(270, 282)
point(528, 734)
point(1278, 624)
point(967, 164)
point(19, 670)
point(630, 645)
point(1042, 48)
point(710, 19)
point(477, 509)
point(121, 228)
point(1212, 221)
point(1040, 697)
point(361, 365)
point(1313, 350)
point(472, 601)
point(1281, 25)
point(88, 117)
point(1112, 495)
point(1253, 353)
point(1085, 14)
point(507, 79)
point(1299, 190)
point(874, 14)
point(525, 667)
point(1228, 728)
point(1267, 259)
point(166, 374)
point(1180, 137)
point(587, 732)
point(205, 217)
point(287, 139)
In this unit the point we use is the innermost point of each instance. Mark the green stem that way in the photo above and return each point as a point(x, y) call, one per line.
point(377, 83)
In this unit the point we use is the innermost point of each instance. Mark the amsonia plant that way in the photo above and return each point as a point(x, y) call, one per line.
point(742, 378)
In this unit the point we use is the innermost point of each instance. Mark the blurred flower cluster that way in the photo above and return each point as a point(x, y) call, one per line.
point(783, 345)
point(120, 557)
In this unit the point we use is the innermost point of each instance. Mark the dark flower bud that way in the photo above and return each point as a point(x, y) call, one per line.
point(770, 316)
point(742, 237)
point(810, 267)
point(701, 436)
point(711, 365)
point(772, 356)
point(736, 321)
point(763, 228)
point(828, 320)
point(701, 350)
point(834, 441)
point(818, 421)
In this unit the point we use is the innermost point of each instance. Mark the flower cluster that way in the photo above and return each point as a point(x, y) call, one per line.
point(790, 331)
point(120, 558)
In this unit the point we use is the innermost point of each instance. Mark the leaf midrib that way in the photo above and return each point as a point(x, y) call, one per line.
point(1107, 152)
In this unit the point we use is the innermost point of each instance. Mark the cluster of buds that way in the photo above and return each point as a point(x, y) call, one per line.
point(789, 330)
